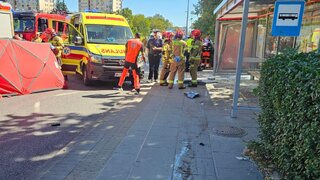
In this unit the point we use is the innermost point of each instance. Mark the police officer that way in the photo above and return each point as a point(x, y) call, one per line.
point(154, 47)
point(178, 64)
point(167, 58)
point(195, 56)
point(132, 50)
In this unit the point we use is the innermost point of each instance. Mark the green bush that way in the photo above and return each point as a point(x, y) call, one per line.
point(289, 93)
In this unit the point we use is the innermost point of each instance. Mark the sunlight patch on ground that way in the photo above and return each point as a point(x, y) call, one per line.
point(65, 94)
point(48, 156)
point(40, 133)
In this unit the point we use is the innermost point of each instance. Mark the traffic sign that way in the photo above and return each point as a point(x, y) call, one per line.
point(287, 17)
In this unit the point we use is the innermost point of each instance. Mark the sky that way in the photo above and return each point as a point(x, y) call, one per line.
point(173, 10)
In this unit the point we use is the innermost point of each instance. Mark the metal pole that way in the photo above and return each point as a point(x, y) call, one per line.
point(216, 46)
point(278, 44)
point(240, 58)
point(187, 19)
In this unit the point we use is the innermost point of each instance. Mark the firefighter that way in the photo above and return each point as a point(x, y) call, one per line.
point(178, 64)
point(187, 52)
point(166, 58)
point(132, 50)
point(57, 45)
point(195, 56)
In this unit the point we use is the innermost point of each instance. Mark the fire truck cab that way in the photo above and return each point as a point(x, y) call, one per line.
point(28, 24)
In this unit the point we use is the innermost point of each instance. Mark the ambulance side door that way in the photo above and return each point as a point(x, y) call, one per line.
point(74, 51)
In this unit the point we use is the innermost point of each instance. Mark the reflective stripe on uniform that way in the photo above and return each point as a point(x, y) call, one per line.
point(170, 81)
point(194, 81)
point(180, 82)
point(162, 81)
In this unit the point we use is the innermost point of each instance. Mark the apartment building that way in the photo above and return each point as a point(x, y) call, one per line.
point(100, 5)
point(33, 5)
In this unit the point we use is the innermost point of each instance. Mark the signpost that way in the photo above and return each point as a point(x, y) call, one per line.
point(287, 18)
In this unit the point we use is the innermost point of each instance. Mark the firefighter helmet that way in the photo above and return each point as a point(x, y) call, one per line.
point(179, 34)
point(196, 33)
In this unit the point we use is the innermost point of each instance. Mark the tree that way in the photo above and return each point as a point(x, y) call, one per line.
point(141, 24)
point(159, 22)
point(206, 21)
point(60, 8)
point(127, 13)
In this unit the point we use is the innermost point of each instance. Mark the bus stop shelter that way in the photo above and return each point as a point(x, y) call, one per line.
point(243, 37)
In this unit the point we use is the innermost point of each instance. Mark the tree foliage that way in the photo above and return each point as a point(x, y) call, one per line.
point(144, 25)
point(127, 13)
point(206, 19)
point(60, 8)
point(159, 22)
point(141, 24)
point(289, 96)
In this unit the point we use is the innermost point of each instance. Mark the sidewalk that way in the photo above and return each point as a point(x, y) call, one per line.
point(166, 136)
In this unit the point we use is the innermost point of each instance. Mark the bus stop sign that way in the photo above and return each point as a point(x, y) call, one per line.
point(287, 17)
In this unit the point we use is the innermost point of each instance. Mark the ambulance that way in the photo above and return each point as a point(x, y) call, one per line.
point(7, 30)
point(95, 47)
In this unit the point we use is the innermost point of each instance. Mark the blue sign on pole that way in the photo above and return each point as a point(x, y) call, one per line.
point(287, 18)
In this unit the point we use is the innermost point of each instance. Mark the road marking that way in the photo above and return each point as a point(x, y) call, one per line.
point(64, 94)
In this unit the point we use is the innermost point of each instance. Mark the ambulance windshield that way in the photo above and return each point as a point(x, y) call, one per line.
point(108, 34)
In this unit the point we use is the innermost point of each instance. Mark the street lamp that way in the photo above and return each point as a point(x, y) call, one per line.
point(187, 18)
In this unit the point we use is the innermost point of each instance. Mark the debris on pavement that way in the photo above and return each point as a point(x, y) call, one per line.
point(55, 124)
point(242, 158)
point(192, 94)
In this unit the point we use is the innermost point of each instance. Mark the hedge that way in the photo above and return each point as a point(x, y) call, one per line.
point(289, 97)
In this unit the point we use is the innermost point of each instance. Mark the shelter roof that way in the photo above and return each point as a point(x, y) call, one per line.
point(234, 8)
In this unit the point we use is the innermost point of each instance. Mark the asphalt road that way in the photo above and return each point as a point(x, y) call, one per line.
point(34, 128)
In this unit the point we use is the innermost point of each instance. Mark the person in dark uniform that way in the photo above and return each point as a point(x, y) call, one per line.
point(154, 46)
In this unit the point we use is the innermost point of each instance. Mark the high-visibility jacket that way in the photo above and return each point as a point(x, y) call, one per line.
point(57, 42)
point(167, 52)
point(133, 47)
point(189, 44)
point(196, 49)
point(178, 48)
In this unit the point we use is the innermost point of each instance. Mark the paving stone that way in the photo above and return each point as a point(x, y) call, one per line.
point(252, 134)
point(227, 144)
point(81, 175)
point(154, 171)
point(130, 145)
point(154, 156)
point(193, 177)
point(229, 160)
point(163, 132)
point(160, 142)
point(118, 167)
point(236, 174)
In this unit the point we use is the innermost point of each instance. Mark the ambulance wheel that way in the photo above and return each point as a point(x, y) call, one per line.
point(86, 80)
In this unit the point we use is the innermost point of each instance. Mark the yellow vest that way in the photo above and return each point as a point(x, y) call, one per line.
point(58, 43)
point(167, 52)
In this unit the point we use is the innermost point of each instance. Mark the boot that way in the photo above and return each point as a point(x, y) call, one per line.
point(182, 87)
point(164, 84)
point(118, 88)
point(170, 86)
point(192, 85)
point(137, 92)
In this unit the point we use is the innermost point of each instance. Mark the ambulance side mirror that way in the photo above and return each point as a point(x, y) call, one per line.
point(78, 40)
